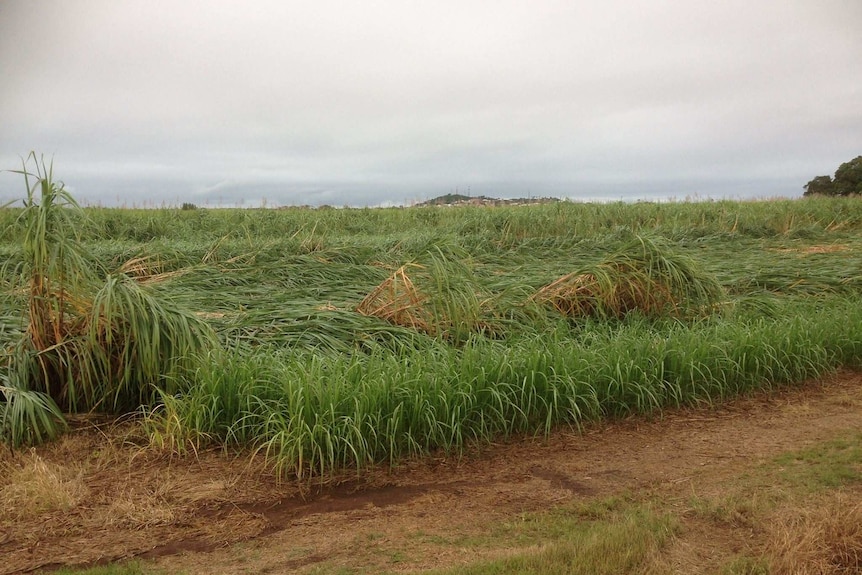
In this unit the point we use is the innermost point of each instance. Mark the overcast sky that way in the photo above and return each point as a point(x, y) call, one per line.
point(221, 102)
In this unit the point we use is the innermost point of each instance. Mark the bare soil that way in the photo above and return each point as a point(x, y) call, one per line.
point(214, 513)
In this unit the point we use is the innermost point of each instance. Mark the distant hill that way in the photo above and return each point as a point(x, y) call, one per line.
point(448, 199)
point(462, 200)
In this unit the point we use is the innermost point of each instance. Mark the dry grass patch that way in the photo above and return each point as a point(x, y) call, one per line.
point(149, 270)
point(32, 486)
point(821, 540)
point(818, 249)
point(140, 509)
point(398, 301)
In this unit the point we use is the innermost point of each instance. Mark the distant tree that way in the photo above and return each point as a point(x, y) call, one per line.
point(821, 185)
point(847, 181)
point(848, 177)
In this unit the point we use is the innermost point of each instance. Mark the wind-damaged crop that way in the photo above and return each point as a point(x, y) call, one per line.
point(440, 298)
point(643, 276)
point(398, 301)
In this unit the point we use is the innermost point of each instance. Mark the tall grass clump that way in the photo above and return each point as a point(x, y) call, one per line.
point(87, 345)
point(644, 275)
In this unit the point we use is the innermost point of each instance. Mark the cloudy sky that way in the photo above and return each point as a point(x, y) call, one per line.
point(223, 102)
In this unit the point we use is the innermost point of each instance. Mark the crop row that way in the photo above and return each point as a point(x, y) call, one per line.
point(312, 413)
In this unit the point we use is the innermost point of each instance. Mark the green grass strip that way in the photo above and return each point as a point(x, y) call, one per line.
point(313, 412)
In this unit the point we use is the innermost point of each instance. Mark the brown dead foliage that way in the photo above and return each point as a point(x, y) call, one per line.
point(149, 270)
point(587, 294)
point(31, 486)
point(821, 249)
point(825, 540)
point(398, 301)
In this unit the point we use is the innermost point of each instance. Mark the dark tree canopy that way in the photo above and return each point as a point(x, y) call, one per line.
point(848, 177)
point(847, 181)
point(819, 185)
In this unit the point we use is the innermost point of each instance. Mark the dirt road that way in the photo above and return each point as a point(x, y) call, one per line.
point(213, 514)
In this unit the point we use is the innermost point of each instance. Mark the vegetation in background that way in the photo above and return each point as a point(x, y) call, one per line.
point(847, 181)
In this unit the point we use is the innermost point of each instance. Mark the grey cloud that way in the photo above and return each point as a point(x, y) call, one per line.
point(393, 101)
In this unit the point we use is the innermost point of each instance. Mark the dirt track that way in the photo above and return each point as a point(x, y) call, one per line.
point(190, 514)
